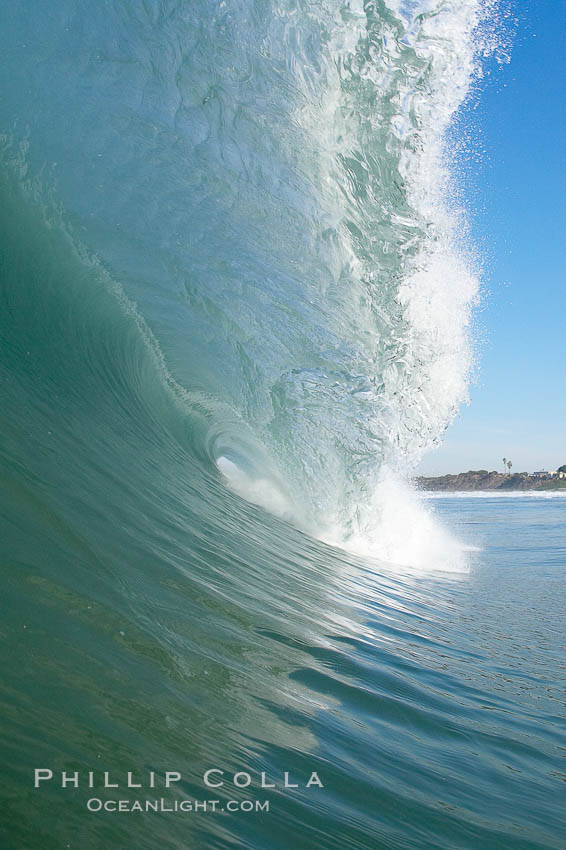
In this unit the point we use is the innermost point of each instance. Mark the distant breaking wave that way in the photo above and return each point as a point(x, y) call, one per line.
point(495, 494)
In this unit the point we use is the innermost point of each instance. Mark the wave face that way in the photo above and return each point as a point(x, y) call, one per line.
point(265, 183)
point(230, 269)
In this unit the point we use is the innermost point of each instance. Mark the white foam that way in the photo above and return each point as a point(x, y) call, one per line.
point(402, 530)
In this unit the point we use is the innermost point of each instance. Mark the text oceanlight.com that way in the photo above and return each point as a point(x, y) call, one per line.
point(95, 804)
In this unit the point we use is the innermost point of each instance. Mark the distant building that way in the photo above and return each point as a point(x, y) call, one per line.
point(542, 473)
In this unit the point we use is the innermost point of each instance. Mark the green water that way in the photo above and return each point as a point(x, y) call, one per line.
point(233, 310)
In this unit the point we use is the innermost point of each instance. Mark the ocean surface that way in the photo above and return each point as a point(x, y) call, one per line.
point(236, 308)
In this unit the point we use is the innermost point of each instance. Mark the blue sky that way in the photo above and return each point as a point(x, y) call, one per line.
point(516, 194)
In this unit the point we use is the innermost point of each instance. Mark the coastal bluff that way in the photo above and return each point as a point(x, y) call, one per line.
point(481, 479)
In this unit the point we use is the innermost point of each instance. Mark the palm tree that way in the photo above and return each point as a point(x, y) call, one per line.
point(504, 464)
point(509, 465)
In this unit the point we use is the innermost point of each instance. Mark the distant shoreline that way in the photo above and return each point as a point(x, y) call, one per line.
point(483, 480)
